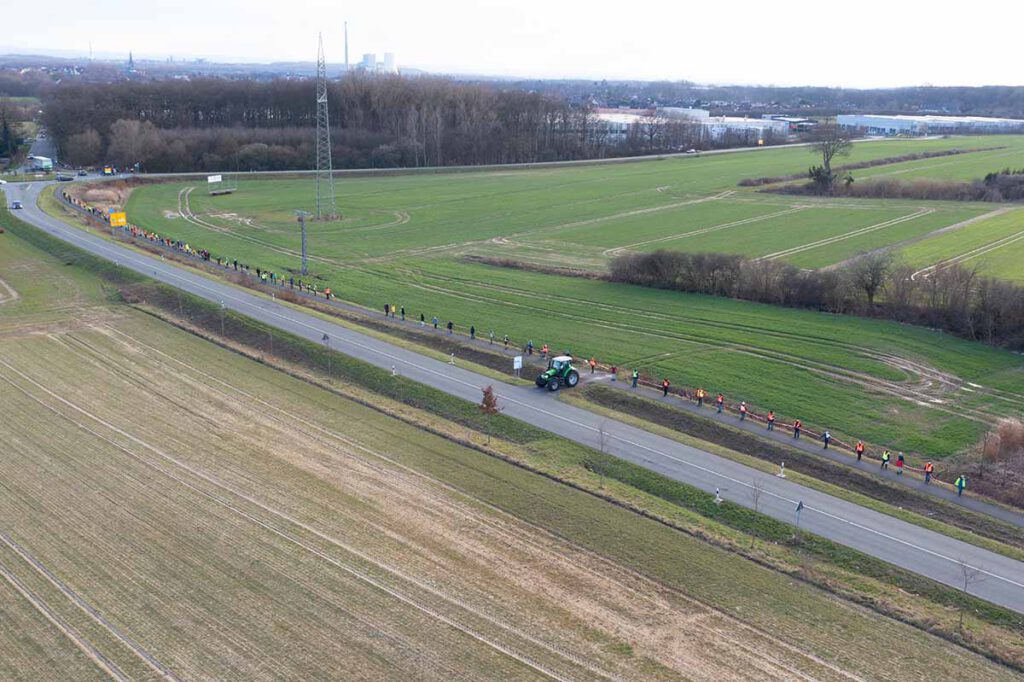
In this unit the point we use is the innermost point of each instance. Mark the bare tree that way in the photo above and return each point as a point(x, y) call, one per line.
point(756, 491)
point(969, 575)
point(828, 141)
point(870, 272)
point(489, 408)
point(603, 438)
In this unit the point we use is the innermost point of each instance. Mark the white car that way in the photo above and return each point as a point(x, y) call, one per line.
point(3, 182)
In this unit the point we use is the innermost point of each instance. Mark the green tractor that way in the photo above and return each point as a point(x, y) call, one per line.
point(560, 371)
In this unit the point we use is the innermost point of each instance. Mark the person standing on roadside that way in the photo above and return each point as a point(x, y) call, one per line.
point(664, 387)
point(899, 464)
point(403, 313)
point(886, 456)
point(423, 320)
point(771, 420)
point(797, 425)
point(720, 403)
point(593, 364)
point(490, 337)
point(859, 449)
point(435, 321)
point(961, 483)
point(505, 340)
point(529, 347)
point(826, 438)
point(387, 308)
point(636, 376)
point(451, 326)
point(743, 410)
point(472, 332)
point(929, 469)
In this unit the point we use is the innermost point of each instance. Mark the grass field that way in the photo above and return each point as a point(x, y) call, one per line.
point(171, 508)
point(402, 240)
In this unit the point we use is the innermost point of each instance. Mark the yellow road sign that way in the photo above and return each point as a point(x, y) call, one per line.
point(118, 220)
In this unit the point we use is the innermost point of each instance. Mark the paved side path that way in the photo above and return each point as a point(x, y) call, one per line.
point(916, 549)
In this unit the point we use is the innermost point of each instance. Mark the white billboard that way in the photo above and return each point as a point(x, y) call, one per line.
point(213, 178)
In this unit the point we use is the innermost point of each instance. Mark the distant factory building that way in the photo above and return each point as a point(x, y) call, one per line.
point(369, 61)
point(389, 63)
point(616, 124)
point(888, 126)
point(796, 124)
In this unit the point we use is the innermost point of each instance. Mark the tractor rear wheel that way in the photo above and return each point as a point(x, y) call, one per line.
point(572, 379)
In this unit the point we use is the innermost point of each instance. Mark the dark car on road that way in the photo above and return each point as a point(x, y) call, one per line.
point(15, 205)
point(65, 178)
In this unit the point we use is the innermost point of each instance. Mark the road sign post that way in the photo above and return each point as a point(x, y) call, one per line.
point(517, 365)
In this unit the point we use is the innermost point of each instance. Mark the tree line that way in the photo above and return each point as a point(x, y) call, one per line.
point(954, 299)
point(215, 124)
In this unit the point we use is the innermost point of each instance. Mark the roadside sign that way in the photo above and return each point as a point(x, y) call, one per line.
point(118, 219)
point(213, 178)
point(517, 362)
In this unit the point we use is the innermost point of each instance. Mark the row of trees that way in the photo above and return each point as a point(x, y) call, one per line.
point(954, 299)
point(1001, 186)
point(379, 122)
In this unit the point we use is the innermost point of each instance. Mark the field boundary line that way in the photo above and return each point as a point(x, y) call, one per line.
point(615, 251)
point(12, 294)
point(971, 254)
point(848, 235)
point(91, 652)
point(934, 233)
point(74, 598)
point(447, 620)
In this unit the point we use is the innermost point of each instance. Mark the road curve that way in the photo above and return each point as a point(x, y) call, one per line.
point(903, 544)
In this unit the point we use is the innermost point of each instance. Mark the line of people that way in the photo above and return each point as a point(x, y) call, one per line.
point(271, 278)
point(266, 277)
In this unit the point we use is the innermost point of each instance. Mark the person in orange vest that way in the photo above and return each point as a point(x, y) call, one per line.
point(797, 425)
point(720, 403)
point(593, 364)
point(859, 449)
point(743, 410)
point(664, 387)
point(929, 468)
point(771, 420)
point(544, 351)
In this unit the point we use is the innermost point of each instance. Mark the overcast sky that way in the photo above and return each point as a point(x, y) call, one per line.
point(859, 43)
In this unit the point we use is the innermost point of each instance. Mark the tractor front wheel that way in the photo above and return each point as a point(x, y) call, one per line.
point(572, 379)
point(553, 385)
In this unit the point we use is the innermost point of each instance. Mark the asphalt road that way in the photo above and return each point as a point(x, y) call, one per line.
point(1000, 579)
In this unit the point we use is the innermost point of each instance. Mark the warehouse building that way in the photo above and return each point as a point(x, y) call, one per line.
point(614, 125)
point(888, 126)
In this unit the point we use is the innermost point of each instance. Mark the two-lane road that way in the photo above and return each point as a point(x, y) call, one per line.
point(911, 547)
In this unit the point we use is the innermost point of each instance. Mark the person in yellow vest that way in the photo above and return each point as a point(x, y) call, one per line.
point(886, 456)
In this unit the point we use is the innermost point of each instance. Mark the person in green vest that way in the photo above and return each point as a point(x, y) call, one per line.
point(885, 459)
point(961, 483)
point(636, 376)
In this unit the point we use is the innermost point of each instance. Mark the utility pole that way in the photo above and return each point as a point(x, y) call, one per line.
point(302, 221)
point(346, 48)
point(326, 207)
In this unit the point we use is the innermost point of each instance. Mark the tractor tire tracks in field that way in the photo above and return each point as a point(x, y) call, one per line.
point(448, 609)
